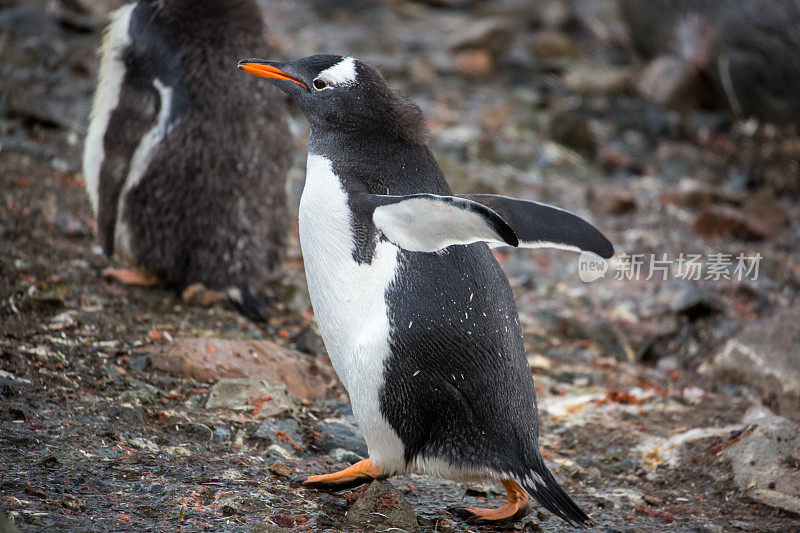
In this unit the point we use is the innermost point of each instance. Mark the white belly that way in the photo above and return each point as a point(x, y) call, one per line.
point(349, 304)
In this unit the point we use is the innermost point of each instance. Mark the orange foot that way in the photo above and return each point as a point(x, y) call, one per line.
point(140, 278)
point(517, 503)
point(353, 476)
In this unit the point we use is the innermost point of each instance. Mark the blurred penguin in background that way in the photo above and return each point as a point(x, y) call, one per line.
point(184, 161)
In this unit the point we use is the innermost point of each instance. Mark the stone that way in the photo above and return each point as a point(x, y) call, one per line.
point(144, 445)
point(260, 398)
point(550, 44)
point(612, 199)
point(381, 506)
point(670, 81)
point(278, 429)
point(337, 433)
point(764, 356)
point(280, 469)
point(727, 221)
point(591, 78)
point(308, 341)
point(209, 359)
point(765, 461)
point(473, 63)
point(492, 35)
point(200, 295)
point(73, 503)
point(572, 130)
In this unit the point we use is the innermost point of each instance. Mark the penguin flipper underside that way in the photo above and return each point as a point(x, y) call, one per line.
point(544, 226)
point(430, 222)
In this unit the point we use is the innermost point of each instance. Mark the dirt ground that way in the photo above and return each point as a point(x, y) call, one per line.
point(94, 438)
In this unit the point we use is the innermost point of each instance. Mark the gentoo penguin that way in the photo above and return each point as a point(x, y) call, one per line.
point(185, 165)
point(417, 316)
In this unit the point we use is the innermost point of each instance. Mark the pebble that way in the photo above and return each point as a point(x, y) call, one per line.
point(280, 469)
point(337, 433)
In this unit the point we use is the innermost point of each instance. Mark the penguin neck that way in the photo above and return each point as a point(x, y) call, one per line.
point(378, 164)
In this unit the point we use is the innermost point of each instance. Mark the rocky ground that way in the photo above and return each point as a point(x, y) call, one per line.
point(667, 404)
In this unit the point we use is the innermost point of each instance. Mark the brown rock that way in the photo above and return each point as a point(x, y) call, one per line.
point(210, 359)
point(764, 207)
point(280, 469)
point(493, 35)
point(723, 220)
point(550, 44)
point(199, 294)
point(690, 193)
point(612, 199)
point(473, 63)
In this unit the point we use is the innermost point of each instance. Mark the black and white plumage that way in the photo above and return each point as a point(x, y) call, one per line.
point(417, 316)
point(184, 164)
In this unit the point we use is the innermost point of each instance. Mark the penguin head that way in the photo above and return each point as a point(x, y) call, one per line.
point(343, 95)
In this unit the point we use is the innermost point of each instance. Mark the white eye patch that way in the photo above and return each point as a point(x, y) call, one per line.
point(342, 73)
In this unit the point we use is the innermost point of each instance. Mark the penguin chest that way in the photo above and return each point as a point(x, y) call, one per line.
point(349, 301)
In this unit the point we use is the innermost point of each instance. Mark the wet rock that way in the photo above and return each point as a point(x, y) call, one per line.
point(549, 44)
point(727, 221)
point(382, 505)
point(277, 430)
point(345, 456)
point(765, 462)
point(764, 356)
point(208, 359)
point(260, 398)
point(337, 433)
point(612, 199)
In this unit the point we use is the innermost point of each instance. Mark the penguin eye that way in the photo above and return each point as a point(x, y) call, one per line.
point(319, 84)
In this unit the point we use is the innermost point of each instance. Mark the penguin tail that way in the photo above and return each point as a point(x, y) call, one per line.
point(542, 485)
point(248, 302)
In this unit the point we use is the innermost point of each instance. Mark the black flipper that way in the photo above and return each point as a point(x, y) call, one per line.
point(542, 485)
point(544, 226)
point(429, 222)
point(248, 302)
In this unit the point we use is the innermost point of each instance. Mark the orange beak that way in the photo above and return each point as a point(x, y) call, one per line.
point(268, 71)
